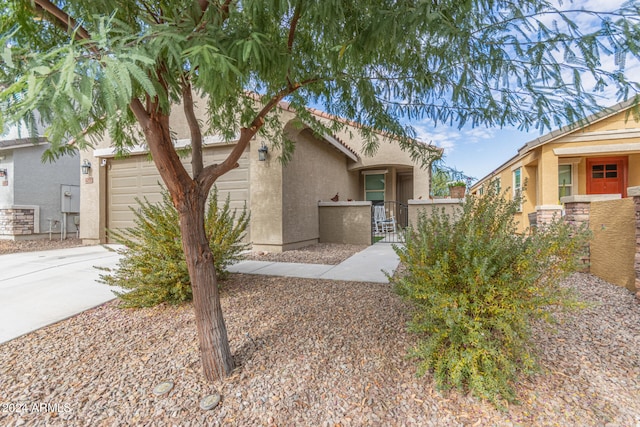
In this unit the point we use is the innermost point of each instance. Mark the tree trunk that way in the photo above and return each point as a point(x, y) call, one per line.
point(215, 353)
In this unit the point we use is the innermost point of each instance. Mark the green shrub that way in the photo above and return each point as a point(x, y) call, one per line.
point(153, 267)
point(475, 285)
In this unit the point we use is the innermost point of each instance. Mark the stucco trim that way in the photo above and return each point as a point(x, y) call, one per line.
point(606, 134)
point(340, 147)
point(597, 149)
point(549, 207)
point(448, 201)
point(354, 203)
point(582, 198)
point(21, 143)
point(633, 192)
point(179, 144)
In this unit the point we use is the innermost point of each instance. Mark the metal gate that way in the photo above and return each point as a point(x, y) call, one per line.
point(388, 221)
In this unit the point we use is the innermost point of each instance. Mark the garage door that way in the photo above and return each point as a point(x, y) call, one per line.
point(137, 177)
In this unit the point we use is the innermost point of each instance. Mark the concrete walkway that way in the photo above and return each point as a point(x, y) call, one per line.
point(41, 288)
point(368, 265)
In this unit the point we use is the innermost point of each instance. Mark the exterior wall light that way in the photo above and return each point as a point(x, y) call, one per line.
point(3, 173)
point(86, 167)
point(262, 153)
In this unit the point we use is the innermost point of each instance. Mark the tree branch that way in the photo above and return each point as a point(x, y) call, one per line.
point(292, 34)
point(194, 129)
point(63, 19)
point(292, 27)
point(212, 172)
point(140, 112)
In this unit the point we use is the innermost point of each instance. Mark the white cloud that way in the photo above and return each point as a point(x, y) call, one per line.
point(451, 139)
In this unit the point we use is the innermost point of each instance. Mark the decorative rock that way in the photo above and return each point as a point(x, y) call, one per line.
point(163, 388)
point(210, 402)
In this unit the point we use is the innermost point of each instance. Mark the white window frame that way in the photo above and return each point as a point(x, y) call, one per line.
point(573, 162)
point(517, 188)
point(570, 185)
point(382, 172)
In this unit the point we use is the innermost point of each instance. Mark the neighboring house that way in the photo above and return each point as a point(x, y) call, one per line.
point(585, 161)
point(36, 199)
point(283, 200)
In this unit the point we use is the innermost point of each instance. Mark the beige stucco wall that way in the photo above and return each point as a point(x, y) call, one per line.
point(345, 222)
point(283, 201)
point(416, 207)
point(316, 172)
point(265, 189)
point(614, 244)
point(387, 156)
point(92, 200)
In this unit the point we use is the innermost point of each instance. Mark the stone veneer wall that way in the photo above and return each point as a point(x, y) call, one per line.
point(17, 221)
point(577, 214)
point(546, 214)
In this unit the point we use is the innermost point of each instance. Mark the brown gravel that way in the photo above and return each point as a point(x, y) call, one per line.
point(13, 246)
point(310, 353)
point(321, 253)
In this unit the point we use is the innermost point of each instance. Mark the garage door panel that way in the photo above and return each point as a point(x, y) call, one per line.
point(137, 177)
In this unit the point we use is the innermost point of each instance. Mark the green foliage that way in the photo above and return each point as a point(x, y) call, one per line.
point(443, 176)
point(375, 62)
point(153, 267)
point(476, 284)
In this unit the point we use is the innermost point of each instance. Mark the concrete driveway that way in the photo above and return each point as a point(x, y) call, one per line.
point(41, 288)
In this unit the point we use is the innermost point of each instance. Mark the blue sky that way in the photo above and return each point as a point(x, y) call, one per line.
point(478, 151)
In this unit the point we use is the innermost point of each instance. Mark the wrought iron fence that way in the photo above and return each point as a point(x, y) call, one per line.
point(388, 221)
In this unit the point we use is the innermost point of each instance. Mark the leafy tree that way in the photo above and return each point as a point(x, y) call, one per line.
point(442, 175)
point(90, 69)
point(152, 269)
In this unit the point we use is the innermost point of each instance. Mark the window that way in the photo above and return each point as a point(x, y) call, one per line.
point(517, 184)
point(496, 185)
point(565, 181)
point(374, 187)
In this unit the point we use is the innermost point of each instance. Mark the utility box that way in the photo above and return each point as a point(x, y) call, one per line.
point(70, 198)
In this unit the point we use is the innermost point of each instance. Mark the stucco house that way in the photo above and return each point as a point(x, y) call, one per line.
point(284, 201)
point(36, 199)
point(595, 159)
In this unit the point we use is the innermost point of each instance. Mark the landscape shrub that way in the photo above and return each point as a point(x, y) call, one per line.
point(153, 269)
point(476, 284)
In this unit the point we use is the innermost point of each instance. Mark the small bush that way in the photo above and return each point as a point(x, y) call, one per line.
point(475, 285)
point(153, 268)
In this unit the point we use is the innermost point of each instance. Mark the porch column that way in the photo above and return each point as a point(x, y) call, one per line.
point(420, 183)
point(548, 178)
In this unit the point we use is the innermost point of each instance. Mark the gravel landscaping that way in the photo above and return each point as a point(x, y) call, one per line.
point(12, 246)
point(310, 353)
point(322, 253)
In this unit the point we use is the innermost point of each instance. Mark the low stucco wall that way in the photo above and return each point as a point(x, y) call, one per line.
point(345, 222)
point(450, 207)
point(613, 246)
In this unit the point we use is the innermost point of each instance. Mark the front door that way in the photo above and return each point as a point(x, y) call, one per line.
point(607, 175)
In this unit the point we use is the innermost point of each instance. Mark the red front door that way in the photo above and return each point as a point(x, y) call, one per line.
point(607, 175)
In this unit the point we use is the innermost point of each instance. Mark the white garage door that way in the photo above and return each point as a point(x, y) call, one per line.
point(137, 177)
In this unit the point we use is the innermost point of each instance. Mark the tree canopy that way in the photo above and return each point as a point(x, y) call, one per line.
point(113, 70)
point(82, 65)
